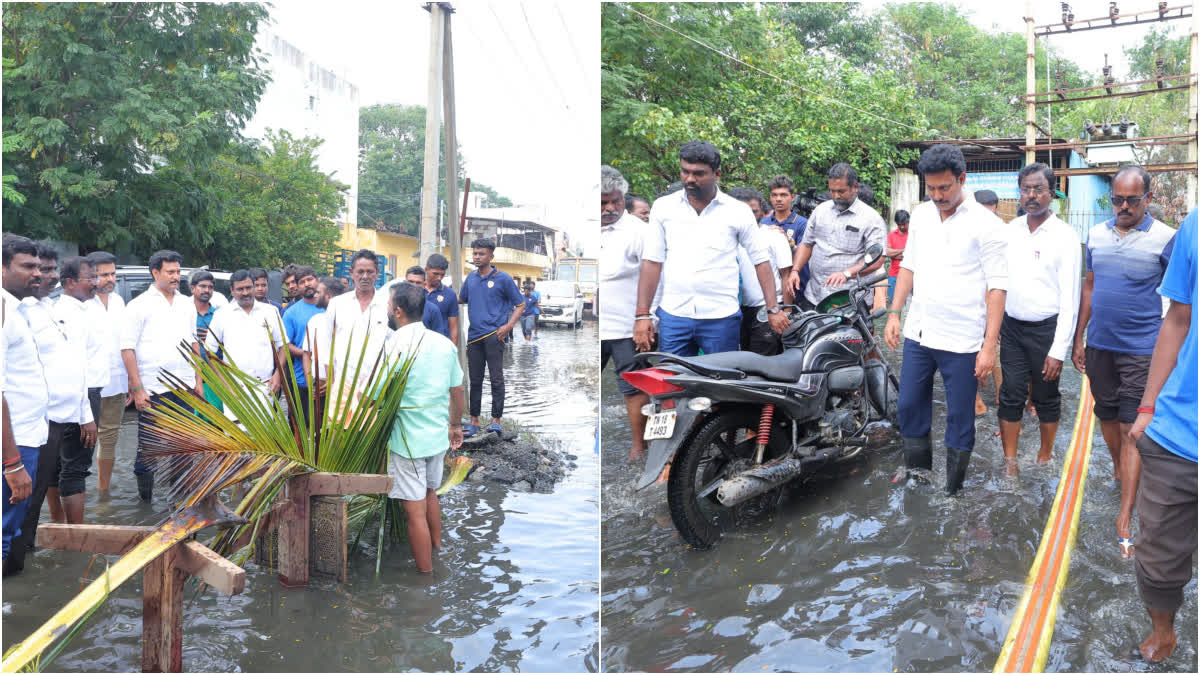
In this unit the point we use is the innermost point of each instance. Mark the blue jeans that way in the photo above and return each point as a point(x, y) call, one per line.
point(891, 289)
point(686, 337)
point(14, 514)
point(916, 394)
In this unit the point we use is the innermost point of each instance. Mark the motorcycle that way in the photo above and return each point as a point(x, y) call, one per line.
point(737, 425)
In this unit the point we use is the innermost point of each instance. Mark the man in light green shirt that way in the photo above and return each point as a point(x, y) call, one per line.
point(428, 422)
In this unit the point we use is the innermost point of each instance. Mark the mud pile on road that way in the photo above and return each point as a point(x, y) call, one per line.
point(517, 460)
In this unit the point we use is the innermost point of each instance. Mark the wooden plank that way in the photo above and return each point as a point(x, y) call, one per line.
point(348, 483)
point(162, 615)
point(201, 561)
point(293, 534)
point(1110, 170)
point(107, 539)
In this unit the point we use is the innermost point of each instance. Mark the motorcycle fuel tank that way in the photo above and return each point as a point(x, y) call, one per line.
point(835, 349)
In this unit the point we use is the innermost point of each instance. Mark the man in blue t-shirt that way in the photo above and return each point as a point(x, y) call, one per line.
point(532, 310)
point(782, 193)
point(441, 295)
point(295, 324)
point(431, 316)
point(493, 305)
point(1119, 308)
point(1166, 454)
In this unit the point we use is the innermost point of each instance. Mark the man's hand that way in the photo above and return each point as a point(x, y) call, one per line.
point(274, 383)
point(985, 360)
point(20, 484)
point(321, 383)
point(502, 332)
point(836, 280)
point(456, 436)
point(141, 399)
point(793, 280)
point(779, 322)
point(87, 435)
point(643, 334)
point(891, 331)
point(1079, 357)
point(1051, 369)
point(1123, 518)
point(1139, 426)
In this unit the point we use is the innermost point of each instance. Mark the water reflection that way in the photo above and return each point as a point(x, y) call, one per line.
point(855, 573)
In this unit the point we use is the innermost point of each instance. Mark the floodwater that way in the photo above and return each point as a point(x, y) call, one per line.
point(515, 587)
point(859, 574)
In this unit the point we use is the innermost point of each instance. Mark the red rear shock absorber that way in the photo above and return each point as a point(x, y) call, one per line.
point(764, 431)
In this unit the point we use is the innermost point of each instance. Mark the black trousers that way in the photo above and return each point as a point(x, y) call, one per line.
point(757, 336)
point(488, 352)
point(147, 429)
point(1023, 349)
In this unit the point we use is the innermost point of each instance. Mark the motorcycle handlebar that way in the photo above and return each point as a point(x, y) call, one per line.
point(864, 283)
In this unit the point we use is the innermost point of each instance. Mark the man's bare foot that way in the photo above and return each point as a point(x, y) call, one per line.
point(1158, 647)
point(980, 407)
point(1042, 458)
point(1010, 467)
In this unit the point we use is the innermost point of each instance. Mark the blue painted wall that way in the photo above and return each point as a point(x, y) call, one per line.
point(1082, 210)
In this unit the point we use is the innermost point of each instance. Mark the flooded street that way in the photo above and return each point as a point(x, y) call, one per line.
point(514, 588)
point(857, 574)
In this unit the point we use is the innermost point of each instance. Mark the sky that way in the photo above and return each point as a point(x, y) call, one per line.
point(526, 77)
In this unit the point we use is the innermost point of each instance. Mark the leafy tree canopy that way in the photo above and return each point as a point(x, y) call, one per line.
point(100, 95)
point(494, 198)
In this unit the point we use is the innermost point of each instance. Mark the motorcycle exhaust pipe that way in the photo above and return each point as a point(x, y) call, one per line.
point(758, 480)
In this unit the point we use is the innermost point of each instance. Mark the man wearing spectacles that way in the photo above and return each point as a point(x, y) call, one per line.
point(1120, 310)
point(1039, 313)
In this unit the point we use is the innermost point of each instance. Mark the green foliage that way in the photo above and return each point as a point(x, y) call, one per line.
point(100, 94)
point(262, 206)
point(660, 89)
point(494, 198)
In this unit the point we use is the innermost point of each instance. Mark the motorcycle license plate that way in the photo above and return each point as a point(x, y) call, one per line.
point(660, 425)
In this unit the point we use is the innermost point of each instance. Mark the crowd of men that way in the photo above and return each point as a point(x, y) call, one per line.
point(700, 269)
point(73, 363)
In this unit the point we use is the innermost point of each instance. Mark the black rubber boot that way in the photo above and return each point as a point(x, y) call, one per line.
point(145, 482)
point(956, 469)
point(918, 452)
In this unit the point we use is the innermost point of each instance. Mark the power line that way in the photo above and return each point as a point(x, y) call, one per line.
point(574, 51)
point(785, 80)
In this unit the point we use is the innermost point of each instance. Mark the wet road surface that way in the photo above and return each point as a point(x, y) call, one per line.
point(858, 574)
point(515, 587)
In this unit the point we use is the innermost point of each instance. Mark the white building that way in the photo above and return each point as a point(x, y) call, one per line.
point(308, 99)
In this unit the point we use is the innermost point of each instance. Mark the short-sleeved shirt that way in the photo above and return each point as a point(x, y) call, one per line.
point(531, 308)
point(779, 255)
point(24, 379)
point(447, 303)
point(1174, 423)
point(110, 321)
point(423, 421)
point(433, 320)
point(154, 329)
point(896, 239)
point(838, 239)
point(251, 339)
point(793, 226)
point(203, 321)
point(295, 324)
point(490, 301)
point(1126, 309)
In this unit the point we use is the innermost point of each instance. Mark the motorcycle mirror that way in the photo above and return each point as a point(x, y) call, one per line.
point(874, 251)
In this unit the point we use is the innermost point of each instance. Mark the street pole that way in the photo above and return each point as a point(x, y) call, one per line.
point(453, 232)
point(1030, 85)
point(1191, 146)
point(437, 20)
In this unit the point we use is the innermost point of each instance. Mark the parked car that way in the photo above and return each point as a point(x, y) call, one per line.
point(133, 279)
point(562, 302)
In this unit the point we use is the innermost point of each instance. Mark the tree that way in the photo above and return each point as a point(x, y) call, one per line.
point(261, 206)
point(102, 94)
point(494, 198)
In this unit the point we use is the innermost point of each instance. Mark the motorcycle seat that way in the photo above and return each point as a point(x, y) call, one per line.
point(785, 367)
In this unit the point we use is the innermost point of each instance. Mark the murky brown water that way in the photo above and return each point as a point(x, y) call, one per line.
point(515, 587)
point(858, 574)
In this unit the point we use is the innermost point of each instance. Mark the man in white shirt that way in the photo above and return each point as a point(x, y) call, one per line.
point(250, 335)
point(26, 395)
point(836, 237)
point(955, 267)
point(691, 244)
point(358, 325)
point(1039, 312)
point(157, 323)
point(757, 336)
point(108, 315)
point(66, 492)
point(316, 343)
point(620, 264)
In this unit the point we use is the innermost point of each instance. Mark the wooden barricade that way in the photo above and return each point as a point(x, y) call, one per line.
point(163, 579)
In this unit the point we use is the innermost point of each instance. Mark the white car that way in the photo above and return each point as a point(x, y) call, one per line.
point(562, 302)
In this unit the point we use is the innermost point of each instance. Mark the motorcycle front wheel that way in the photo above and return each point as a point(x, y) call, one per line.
point(724, 445)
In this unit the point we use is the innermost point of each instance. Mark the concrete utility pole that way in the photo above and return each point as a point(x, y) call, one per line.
point(453, 233)
point(1030, 85)
point(438, 11)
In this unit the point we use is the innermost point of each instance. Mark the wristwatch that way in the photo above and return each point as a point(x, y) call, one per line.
point(774, 310)
point(847, 274)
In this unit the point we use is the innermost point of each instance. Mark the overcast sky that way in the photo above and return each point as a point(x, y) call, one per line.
point(527, 84)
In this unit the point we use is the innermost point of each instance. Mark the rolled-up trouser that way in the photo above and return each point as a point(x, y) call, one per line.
point(528, 324)
point(14, 514)
point(146, 430)
point(74, 464)
point(486, 352)
point(916, 393)
point(112, 408)
point(1166, 539)
point(1025, 345)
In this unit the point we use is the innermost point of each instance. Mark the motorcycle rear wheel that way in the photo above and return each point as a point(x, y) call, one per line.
point(723, 445)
